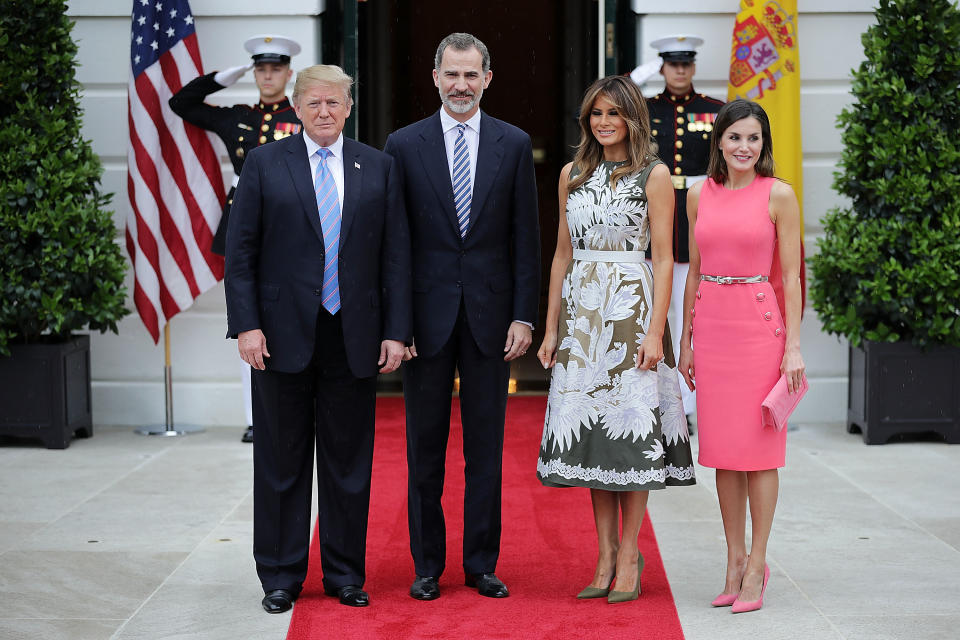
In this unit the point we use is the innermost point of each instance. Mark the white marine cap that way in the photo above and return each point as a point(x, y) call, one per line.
point(679, 48)
point(272, 48)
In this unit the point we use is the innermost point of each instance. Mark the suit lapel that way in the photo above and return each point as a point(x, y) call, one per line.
point(489, 156)
point(352, 179)
point(433, 155)
point(299, 167)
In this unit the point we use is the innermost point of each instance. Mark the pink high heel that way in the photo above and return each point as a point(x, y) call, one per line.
point(739, 606)
point(724, 600)
point(727, 599)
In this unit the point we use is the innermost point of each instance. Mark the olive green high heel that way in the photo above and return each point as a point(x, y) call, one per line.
point(626, 596)
point(595, 592)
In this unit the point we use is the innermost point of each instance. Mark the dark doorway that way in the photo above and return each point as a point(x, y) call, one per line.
point(543, 56)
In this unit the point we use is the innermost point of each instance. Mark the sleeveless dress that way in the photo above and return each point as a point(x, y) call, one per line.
point(608, 424)
point(738, 332)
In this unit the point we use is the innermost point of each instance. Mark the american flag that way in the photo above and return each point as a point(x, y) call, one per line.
point(173, 178)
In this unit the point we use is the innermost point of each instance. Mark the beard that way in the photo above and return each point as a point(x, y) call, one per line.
point(460, 107)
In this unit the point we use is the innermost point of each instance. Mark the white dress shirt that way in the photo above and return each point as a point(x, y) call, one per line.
point(472, 136)
point(334, 163)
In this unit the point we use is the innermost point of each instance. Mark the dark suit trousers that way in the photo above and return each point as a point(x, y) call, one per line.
point(427, 387)
point(325, 406)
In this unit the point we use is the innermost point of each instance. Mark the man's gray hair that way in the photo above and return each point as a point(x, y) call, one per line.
point(322, 74)
point(462, 42)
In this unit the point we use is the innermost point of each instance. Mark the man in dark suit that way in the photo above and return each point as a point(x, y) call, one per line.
point(318, 295)
point(471, 203)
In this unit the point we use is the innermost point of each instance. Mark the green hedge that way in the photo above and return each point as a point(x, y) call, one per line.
point(888, 268)
point(62, 269)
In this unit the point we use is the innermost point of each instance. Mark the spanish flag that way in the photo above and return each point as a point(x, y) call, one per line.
point(765, 68)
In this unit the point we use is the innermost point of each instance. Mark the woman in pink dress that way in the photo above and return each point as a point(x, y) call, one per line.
point(735, 343)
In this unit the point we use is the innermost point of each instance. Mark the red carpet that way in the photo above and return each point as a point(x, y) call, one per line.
point(548, 553)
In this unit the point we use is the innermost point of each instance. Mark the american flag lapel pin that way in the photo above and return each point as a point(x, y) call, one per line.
point(356, 164)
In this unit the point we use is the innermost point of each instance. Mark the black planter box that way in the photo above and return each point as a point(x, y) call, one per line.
point(45, 391)
point(896, 388)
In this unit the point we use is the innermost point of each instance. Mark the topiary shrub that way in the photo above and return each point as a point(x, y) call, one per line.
point(61, 269)
point(888, 268)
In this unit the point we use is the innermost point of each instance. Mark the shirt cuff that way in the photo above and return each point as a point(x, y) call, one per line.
point(526, 323)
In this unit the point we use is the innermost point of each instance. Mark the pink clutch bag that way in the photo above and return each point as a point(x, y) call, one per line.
point(780, 403)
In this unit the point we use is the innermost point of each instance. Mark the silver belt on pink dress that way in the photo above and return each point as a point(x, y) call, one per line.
point(733, 279)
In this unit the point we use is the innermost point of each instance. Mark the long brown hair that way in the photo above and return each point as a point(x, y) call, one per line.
point(625, 96)
point(734, 112)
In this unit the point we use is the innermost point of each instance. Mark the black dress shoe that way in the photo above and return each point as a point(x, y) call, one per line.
point(425, 588)
point(278, 601)
point(247, 435)
point(487, 584)
point(350, 595)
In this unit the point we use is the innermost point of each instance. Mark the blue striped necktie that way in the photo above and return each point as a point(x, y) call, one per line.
point(462, 191)
point(328, 204)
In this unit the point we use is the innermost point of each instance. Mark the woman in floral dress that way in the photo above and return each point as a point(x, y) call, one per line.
point(614, 421)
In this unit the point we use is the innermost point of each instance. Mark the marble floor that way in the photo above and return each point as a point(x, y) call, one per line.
point(130, 537)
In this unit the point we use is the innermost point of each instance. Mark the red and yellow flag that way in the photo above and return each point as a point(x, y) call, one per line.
point(765, 68)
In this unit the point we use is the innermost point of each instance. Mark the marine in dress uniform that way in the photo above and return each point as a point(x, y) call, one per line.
point(243, 127)
point(681, 120)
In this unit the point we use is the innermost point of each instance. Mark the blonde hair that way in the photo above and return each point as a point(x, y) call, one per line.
point(322, 74)
point(625, 96)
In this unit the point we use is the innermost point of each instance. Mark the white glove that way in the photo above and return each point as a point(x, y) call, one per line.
point(228, 77)
point(644, 72)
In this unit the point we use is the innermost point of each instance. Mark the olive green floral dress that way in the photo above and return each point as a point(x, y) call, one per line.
point(608, 424)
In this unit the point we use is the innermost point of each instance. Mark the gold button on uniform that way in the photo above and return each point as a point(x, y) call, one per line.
point(677, 170)
point(654, 132)
point(705, 136)
point(679, 109)
point(678, 157)
point(275, 107)
point(679, 144)
point(240, 139)
point(265, 128)
point(263, 139)
point(268, 117)
point(679, 120)
point(679, 131)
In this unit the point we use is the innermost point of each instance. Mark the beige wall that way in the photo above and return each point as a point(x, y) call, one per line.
point(829, 38)
point(128, 369)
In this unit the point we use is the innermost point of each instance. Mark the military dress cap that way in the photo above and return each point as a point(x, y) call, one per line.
point(679, 48)
point(271, 48)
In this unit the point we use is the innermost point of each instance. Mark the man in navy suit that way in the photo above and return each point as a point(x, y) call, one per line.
point(318, 296)
point(471, 202)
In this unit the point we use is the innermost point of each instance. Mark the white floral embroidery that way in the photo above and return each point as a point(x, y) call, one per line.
point(596, 390)
point(610, 476)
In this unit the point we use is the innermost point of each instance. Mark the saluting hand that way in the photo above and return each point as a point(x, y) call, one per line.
point(229, 77)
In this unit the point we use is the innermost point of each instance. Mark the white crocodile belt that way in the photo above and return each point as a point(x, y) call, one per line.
point(590, 255)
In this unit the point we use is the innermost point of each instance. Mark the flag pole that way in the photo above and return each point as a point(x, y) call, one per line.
point(168, 429)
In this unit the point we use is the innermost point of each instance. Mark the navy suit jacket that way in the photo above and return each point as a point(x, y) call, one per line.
point(495, 268)
point(275, 255)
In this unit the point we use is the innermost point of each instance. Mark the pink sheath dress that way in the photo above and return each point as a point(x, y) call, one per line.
point(738, 333)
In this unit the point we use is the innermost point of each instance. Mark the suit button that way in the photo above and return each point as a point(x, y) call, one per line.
point(463, 253)
point(459, 284)
point(768, 316)
point(778, 331)
point(760, 297)
point(317, 292)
